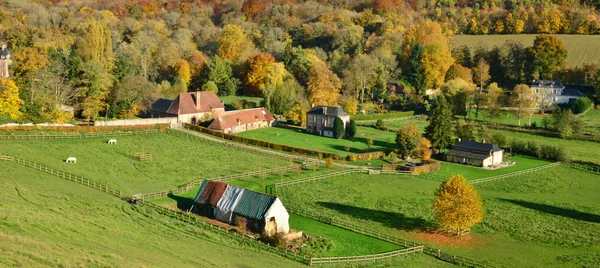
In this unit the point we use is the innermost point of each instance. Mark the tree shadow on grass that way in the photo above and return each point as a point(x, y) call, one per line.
point(343, 148)
point(389, 219)
point(565, 212)
point(183, 203)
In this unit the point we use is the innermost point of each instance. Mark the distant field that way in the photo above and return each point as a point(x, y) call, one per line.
point(381, 139)
point(175, 160)
point(581, 48)
point(46, 221)
point(509, 118)
point(548, 218)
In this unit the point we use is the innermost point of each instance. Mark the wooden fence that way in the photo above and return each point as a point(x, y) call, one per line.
point(79, 135)
point(320, 177)
point(588, 168)
point(64, 175)
point(222, 178)
point(371, 121)
point(374, 257)
point(516, 173)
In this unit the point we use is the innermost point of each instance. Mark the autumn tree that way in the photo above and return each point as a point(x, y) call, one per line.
point(232, 42)
point(457, 204)
point(481, 75)
point(95, 83)
point(136, 91)
point(183, 71)
point(422, 151)
point(524, 101)
point(407, 139)
point(323, 85)
point(361, 75)
point(96, 44)
point(494, 98)
point(329, 162)
point(548, 54)
point(440, 130)
point(459, 71)
point(460, 93)
point(264, 75)
point(10, 103)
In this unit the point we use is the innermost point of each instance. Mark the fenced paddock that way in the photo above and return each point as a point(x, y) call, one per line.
point(364, 258)
point(80, 135)
point(516, 173)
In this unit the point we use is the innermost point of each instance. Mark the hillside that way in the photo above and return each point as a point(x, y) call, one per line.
point(47, 221)
point(582, 48)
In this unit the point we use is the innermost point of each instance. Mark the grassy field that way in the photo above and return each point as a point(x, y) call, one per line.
point(382, 116)
point(228, 99)
point(175, 160)
point(549, 218)
point(46, 221)
point(581, 48)
point(395, 125)
point(509, 118)
point(472, 173)
point(381, 140)
point(576, 150)
point(591, 122)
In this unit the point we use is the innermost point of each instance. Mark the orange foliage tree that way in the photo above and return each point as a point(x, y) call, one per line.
point(253, 7)
point(457, 204)
point(232, 42)
point(323, 85)
point(258, 68)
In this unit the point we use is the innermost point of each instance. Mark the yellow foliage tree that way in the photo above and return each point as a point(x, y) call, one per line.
point(10, 103)
point(457, 205)
point(232, 42)
point(350, 106)
point(323, 85)
point(422, 150)
point(183, 71)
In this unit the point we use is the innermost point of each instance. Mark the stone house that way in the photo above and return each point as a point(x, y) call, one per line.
point(5, 62)
point(320, 120)
point(189, 107)
point(241, 120)
point(550, 92)
point(475, 154)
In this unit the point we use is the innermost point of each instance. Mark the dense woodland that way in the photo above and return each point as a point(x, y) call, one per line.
point(113, 58)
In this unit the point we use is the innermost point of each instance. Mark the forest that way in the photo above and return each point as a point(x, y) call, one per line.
point(113, 58)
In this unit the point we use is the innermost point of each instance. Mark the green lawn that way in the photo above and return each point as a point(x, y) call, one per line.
point(576, 150)
point(472, 173)
point(549, 218)
point(46, 221)
point(581, 48)
point(382, 116)
point(228, 99)
point(395, 125)
point(175, 160)
point(509, 118)
point(591, 122)
point(381, 140)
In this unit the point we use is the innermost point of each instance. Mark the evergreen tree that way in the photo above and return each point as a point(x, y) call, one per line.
point(440, 131)
point(416, 72)
point(338, 128)
point(352, 129)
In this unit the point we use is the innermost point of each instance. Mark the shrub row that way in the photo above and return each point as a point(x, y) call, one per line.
point(83, 128)
point(544, 132)
point(430, 166)
point(366, 156)
point(275, 146)
point(382, 116)
point(532, 148)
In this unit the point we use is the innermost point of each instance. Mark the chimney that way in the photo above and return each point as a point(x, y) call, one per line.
point(483, 141)
point(324, 109)
point(198, 100)
point(458, 139)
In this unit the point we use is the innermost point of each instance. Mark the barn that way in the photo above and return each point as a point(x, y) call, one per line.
point(223, 202)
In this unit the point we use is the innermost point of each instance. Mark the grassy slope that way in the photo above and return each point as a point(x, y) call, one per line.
point(582, 48)
point(395, 125)
point(576, 150)
point(549, 218)
point(50, 222)
point(591, 122)
point(471, 173)
point(228, 99)
point(508, 118)
point(381, 139)
point(175, 160)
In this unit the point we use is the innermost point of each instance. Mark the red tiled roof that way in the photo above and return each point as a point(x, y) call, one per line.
point(247, 116)
point(187, 103)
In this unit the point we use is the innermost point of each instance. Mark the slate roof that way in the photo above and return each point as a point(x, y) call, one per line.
point(572, 92)
point(195, 102)
point(253, 205)
point(470, 155)
point(547, 83)
point(328, 110)
point(476, 146)
point(161, 105)
point(240, 117)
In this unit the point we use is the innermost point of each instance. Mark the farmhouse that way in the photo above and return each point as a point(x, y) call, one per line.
point(475, 154)
point(189, 107)
point(242, 120)
point(551, 92)
point(320, 119)
point(223, 202)
point(5, 62)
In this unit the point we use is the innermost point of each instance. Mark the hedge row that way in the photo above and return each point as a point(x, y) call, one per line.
point(382, 116)
point(82, 128)
point(532, 148)
point(366, 156)
point(275, 146)
point(544, 132)
point(430, 166)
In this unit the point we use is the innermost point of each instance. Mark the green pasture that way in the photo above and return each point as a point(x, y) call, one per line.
point(549, 218)
point(575, 149)
point(591, 122)
point(227, 100)
point(472, 173)
point(581, 48)
point(419, 123)
point(175, 160)
point(46, 221)
point(381, 140)
point(382, 116)
point(509, 118)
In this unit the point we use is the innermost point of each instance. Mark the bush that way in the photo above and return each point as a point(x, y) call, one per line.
point(276, 240)
point(338, 128)
point(581, 105)
point(380, 125)
point(352, 128)
point(531, 148)
point(241, 222)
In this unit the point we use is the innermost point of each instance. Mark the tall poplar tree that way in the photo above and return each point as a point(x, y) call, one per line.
point(440, 130)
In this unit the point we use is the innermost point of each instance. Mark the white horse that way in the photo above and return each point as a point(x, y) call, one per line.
point(71, 160)
point(113, 141)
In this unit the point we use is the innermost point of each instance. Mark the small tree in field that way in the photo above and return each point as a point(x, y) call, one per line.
point(338, 128)
point(407, 139)
point(369, 142)
point(352, 128)
point(457, 205)
point(329, 162)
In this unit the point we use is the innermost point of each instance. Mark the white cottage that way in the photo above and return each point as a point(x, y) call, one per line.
point(475, 154)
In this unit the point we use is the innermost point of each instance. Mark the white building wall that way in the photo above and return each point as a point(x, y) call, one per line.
point(278, 211)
